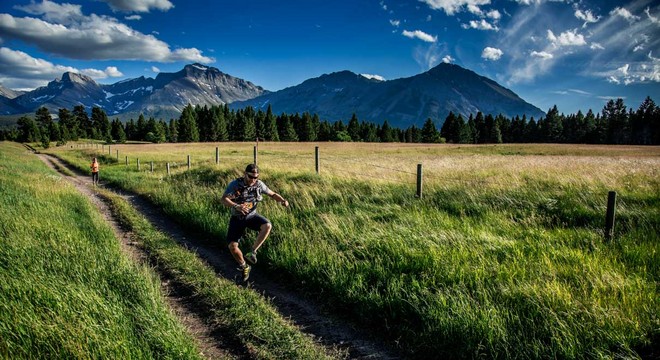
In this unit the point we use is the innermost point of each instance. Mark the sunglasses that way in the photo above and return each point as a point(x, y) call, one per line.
point(252, 176)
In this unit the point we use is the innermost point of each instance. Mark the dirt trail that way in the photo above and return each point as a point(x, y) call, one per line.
point(302, 311)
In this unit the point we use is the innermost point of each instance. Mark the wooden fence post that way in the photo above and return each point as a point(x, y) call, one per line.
point(126, 160)
point(255, 155)
point(609, 217)
point(168, 169)
point(217, 155)
point(419, 181)
point(188, 162)
point(117, 155)
point(316, 156)
point(138, 164)
point(152, 166)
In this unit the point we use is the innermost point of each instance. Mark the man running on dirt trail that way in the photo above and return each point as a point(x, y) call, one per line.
point(242, 195)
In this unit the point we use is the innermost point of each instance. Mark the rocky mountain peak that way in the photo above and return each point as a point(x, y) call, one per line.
point(71, 77)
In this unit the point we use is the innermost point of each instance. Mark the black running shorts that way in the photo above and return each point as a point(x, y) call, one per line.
point(237, 226)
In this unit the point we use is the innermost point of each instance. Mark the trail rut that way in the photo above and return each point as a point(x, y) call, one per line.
point(309, 316)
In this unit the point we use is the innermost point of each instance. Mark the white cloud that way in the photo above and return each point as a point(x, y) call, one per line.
point(596, 46)
point(653, 19)
point(155, 69)
point(373, 77)
point(453, 6)
point(624, 13)
point(494, 14)
point(395, 22)
point(480, 25)
point(586, 16)
point(581, 92)
point(567, 38)
point(89, 37)
point(52, 12)
point(490, 53)
point(139, 5)
point(633, 73)
point(418, 34)
point(448, 59)
point(133, 17)
point(21, 71)
point(110, 71)
point(541, 54)
point(475, 9)
point(428, 56)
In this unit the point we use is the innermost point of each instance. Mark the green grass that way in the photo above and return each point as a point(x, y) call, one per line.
point(504, 256)
point(66, 289)
point(246, 317)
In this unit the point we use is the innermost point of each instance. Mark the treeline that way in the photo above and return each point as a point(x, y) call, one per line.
point(614, 125)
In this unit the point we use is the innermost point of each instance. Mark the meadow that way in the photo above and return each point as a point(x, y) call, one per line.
point(67, 291)
point(503, 256)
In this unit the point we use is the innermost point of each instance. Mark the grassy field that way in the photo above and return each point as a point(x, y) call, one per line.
point(503, 256)
point(66, 289)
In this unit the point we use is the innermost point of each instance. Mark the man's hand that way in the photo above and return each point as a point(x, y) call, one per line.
point(285, 203)
point(242, 208)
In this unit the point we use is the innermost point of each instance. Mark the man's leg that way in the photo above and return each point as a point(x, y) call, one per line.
point(235, 231)
point(264, 231)
point(236, 252)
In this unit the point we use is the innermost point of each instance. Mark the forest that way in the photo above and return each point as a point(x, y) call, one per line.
point(615, 124)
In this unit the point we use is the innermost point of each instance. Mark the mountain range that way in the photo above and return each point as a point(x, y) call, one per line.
point(337, 96)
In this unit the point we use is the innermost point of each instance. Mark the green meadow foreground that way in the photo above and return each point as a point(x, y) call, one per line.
point(67, 290)
point(503, 257)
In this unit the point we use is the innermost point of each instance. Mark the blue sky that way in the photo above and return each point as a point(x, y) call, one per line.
point(576, 54)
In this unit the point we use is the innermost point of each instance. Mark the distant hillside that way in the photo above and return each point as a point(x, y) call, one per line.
point(402, 102)
point(162, 97)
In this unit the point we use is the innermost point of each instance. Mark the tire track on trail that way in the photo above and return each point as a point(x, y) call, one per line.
point(304, 312)
point(180, 301)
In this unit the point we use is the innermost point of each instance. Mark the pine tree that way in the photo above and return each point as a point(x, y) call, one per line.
point(117, 131)
point(470, 131)
point(101, 124)
point(616, 117)
point(271, 132)
point(68, 122)
point(353, 128)
point(645, 122)
point(480, 133)
point(43, 117)
point(83, 121)
point(219, 127)
point(386, 134)
point(553, 127)
point(141, 128)
point(450, 129)
point(174, 131)
point(307, 131)
point(204, 123)
point(131, 130)
point(287, 131)
point(187, 130)
point(260, 125)
point(28, 130)
point(429, 132)
point(249, 127)
point(325, 132)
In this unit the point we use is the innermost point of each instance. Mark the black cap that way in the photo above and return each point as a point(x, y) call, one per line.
point(252, 168)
